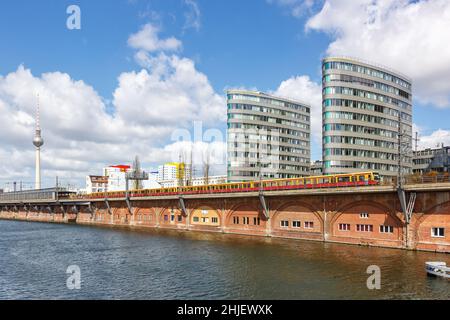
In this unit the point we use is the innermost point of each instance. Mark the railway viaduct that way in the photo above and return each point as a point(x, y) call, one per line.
point(371, 216)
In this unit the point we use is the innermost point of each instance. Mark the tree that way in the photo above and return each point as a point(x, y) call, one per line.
point(206, 158)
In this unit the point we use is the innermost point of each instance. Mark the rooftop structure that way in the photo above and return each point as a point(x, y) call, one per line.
point(432, 160)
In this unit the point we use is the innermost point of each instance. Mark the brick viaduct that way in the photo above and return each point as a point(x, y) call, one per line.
point(371, 216)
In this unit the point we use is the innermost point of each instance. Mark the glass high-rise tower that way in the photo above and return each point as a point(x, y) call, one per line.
point(366, 108)
point(268, 137)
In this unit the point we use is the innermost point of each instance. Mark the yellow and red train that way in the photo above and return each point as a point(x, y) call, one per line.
point(313, 182)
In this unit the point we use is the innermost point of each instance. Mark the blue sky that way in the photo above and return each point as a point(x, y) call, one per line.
point(240, 43)
point(252, 44)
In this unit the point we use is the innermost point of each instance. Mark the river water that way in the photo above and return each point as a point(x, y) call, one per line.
point(163, 264)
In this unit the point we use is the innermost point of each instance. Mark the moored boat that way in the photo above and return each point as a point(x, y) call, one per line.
point(438, 269)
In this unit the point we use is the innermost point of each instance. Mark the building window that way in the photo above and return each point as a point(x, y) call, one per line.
point(296, 224)
point(437, 232)
point(364, 227)
point(195, 219)
point(364, 215)
point(166, 217)
point(309, 225)
point(172, 217)
point(344, 226)
point(386, 229)
point(205, 220)
point(180, 218)
point(215, 220)
point(284, 223)
point(236, 220)
point(256, 221)
point(246, 220)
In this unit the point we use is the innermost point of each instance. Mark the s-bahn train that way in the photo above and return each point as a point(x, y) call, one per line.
point(314, 182)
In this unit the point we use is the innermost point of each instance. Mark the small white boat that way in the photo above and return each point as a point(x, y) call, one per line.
point(438, 269)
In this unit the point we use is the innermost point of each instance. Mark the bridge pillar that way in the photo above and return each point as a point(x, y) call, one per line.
point(268, 222)
point(158, 216)
point(111, 215)
point(326, 226)
point(188, 218)
point(223, 216)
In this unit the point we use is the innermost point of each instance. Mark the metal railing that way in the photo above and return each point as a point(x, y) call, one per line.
point(424, 179)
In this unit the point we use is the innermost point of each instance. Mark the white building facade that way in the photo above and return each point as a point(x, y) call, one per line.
point(116, 177)
point(96, 184)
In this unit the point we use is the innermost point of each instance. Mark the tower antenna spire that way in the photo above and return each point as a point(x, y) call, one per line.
point(38, 125)
point(38, 142)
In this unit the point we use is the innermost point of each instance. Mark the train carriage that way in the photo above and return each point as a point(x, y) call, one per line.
point(359, 179)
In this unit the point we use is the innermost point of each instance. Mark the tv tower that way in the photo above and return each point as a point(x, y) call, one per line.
point(38, 142)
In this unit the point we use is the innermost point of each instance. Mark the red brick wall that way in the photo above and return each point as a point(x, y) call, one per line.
point(245, 211)
point(437, 217)
point(165, 218)
point(297, 212)
point(432, 209)
point(205, 211)
point(377, 215)
point(145, 217)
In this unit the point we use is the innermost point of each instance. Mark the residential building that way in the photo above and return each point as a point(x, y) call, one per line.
point(152, 182)
point(172, 171)
point(367, 114)
point(116, 177)
point(198, 181)
point(268, 136)
point(432, 160)
point(96, 184)
point(201, 181)
point(317, 168)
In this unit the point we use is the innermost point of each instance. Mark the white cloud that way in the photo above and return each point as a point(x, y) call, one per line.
point(409, 36)
point(435, 139)
point(170, 93)
point(147, 39)
point(303, 89)
point(81, 136)
point(192, 15)
point(296, 7)
point(431, 140)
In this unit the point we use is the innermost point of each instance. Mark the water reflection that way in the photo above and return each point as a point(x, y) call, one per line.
point(166, 264)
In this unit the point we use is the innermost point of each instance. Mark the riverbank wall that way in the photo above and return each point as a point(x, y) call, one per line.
point(368, 218)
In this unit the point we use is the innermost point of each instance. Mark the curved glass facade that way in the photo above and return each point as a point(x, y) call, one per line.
point(267, 136)
point(364, 109)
